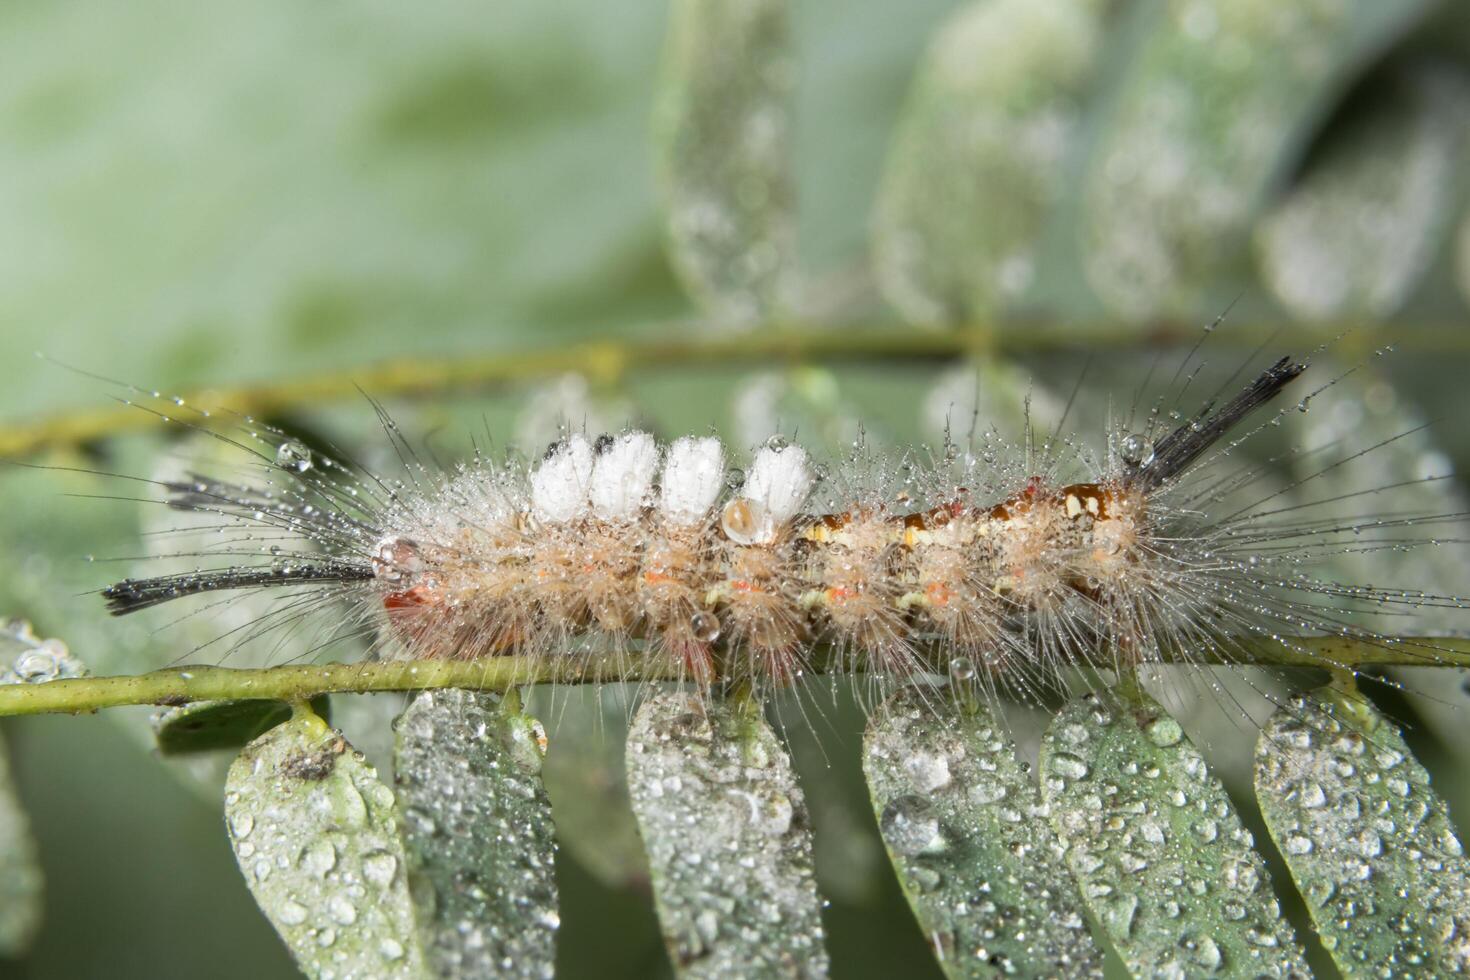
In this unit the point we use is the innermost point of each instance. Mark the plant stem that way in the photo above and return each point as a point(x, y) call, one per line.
point(609, 361)
point(183, 685)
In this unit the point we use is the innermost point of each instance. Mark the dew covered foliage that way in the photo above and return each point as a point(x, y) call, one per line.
point(943, 671)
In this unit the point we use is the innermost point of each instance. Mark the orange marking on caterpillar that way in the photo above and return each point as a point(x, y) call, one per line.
point(938, 593)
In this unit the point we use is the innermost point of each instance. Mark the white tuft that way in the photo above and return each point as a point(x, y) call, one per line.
point(559, 485)
point(623, 476)
point(693, 475)
point(778, 481)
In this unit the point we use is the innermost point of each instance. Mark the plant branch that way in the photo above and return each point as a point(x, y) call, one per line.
point(184, 685)
point(608, 362)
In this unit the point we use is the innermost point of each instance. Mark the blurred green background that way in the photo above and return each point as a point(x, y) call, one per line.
point(205, 194)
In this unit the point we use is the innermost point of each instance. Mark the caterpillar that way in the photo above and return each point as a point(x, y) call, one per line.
point(1012, 564)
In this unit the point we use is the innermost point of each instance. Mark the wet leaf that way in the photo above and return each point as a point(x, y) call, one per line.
point(1158, 851)
point(1203, 123)
point(1369, 843)
point(724, 153)
point(478, 835)
point(208, 726)
point(1361, 227)
point(971, 842)
point(728, 838)
point(977, 159)
point(315, 835)
point(21, 882)
point(26, 658)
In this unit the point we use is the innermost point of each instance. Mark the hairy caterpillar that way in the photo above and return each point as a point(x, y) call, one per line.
point(1013, 563)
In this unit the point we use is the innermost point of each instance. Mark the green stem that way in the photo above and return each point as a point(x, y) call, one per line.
point(609, 361)
point(183, 685)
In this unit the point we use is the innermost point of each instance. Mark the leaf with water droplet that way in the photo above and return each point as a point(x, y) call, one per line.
point(315, 834)
point(728, 838)
point(977, 159)
point(477, 832)
point(1157, 849)
point(725, 158)
point(1200, 128)
point(208, 726)
point(21, 881)
point(26, 658)
point(1370, 845)
point(1395, 167)
point(970, 840)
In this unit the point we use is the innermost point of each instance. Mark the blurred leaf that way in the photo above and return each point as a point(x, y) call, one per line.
point(21, 882)
point(969, 838)
point(208, 726)
point(724, 150)
point(1216, 100)
point(1361, 227)
point(587, 780)
point(1462, 257)
point(1157, 848)
point(976, 160)
point(1368, 842)
point(806, 400)
point(26, 658)
point(729, 840)
point(315, 835)
point(477, 831)
point(989, 400)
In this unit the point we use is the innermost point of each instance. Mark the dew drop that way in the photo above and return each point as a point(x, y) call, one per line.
point(927, 771)
point(1068, 765)
point(1137, 450)
point(1165, 732)
point(705, 626)
point(961, 669)
point(379, 867)
point(293, 456)
point(292, 913)
point(910, 826)
point(743, 521)
point(319, 857)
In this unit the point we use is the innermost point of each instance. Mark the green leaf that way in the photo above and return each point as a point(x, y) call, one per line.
point(729, 840)
point(1369, 843)
point(478, 835)
point(315, 835)
point(21, 882)
point(1202, 125)
point(1157, 849)
point(969, 838)
point(208, 726)
point(1360, 229)
point(725, 158)
point(587, 780)
point(977, 159)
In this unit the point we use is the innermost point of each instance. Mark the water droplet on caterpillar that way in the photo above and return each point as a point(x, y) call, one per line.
point(292, 455)
point(1137, 449)
point(742, 521)
point(705, 626)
